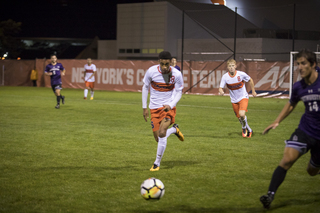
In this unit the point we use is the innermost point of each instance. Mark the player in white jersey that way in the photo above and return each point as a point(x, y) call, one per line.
point(234, 80)
point(89, 78)
point(162, 80)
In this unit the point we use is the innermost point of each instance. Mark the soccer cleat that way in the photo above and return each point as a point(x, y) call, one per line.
point(154, 168)
point(244, 133)
point(58, 106)
point(85, 98)
point(249, 134)
point(178, 133)
point(266, 200)
point(63, 99)
point(91, 98)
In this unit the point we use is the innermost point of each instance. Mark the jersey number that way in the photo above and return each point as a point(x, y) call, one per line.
point(313, 106)
point(53, 72)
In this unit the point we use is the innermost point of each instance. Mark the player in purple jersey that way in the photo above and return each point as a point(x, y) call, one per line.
point(55, 70)
point(306, 137)
point(174, 64)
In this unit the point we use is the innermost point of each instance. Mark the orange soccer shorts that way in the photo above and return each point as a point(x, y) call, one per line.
point(90, 84)
point(241, 105)
point(157, 115)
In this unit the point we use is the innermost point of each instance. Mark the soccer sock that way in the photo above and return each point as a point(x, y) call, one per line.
point(243, 122)
point(85, 92)
point(170, 131)
point(58, 99)
point(92, 92)
point(240, 121)
point(247, 125)
point(277, 178)
point(162, 144)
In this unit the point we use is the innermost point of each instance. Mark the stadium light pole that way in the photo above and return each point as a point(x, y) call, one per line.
point(182, 41)
point(293, 26)
point(2, 75)
point(235, 34)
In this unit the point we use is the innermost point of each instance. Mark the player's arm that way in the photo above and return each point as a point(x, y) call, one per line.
point(222, 85)
point(47, 71)
point(178, 87)
point(174, 102)
point(63, 72)
point(84, 74)
point(252, 88)
point(94, 72)
point(287, 109)
point(221, 92)
point(145, 91)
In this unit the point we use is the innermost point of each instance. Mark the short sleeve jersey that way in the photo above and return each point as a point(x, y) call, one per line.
point(310, 95)
point(89, 70)
point(161, 90)
point(236, 85)
point(56, 73)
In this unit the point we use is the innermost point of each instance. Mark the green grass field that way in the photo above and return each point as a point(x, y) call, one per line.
point(92, 156)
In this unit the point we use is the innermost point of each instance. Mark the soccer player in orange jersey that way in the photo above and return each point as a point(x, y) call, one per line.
point(89, 78)
point(234, 80)
point(162, 80)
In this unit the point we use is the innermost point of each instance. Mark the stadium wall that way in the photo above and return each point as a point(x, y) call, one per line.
point(125, 75)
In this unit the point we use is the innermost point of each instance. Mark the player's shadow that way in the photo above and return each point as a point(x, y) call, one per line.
point(296, 202)
point(80, 168)
point(239, 134)
point(258, 209)
point(205, 136)
point(190, 209)
point(178, 163)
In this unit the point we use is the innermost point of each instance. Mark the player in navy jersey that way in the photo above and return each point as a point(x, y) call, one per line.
point(307, 136)
point(174, 64)
point(55, 70)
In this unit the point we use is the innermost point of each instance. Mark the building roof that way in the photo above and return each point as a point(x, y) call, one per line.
point(218, 19)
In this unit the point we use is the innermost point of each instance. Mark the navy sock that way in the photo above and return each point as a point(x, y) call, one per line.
point(277, 178)
point(58, 99)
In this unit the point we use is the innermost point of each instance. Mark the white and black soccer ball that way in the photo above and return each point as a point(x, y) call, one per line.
point(152, 189)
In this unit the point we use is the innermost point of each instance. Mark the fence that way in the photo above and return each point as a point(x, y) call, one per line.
point(123, 75)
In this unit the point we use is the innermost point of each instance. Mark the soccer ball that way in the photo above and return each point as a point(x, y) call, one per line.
point(152, 189)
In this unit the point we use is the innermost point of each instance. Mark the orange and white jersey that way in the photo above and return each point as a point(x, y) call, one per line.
point(89, 71)
point(160, 90)
point(236, 85)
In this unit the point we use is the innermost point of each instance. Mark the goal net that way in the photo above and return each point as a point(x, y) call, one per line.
point(294, 72)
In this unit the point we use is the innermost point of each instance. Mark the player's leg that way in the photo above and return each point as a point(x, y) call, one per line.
point(236, 109)
point(243, 105)
point(156, 135)
point(175, 128)
point(312, 170)
point(293, 151)
point(92, 93)
point(177, 132)
point(57, 93)
point(162, 143)
point(314, 163)
point(86, 90)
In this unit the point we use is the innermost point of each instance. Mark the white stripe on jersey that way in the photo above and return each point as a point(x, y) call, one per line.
point(236, 86)
point(89, 70)
point(160, 91)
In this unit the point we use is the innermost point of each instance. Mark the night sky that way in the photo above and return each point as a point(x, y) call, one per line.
point(64, 18)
